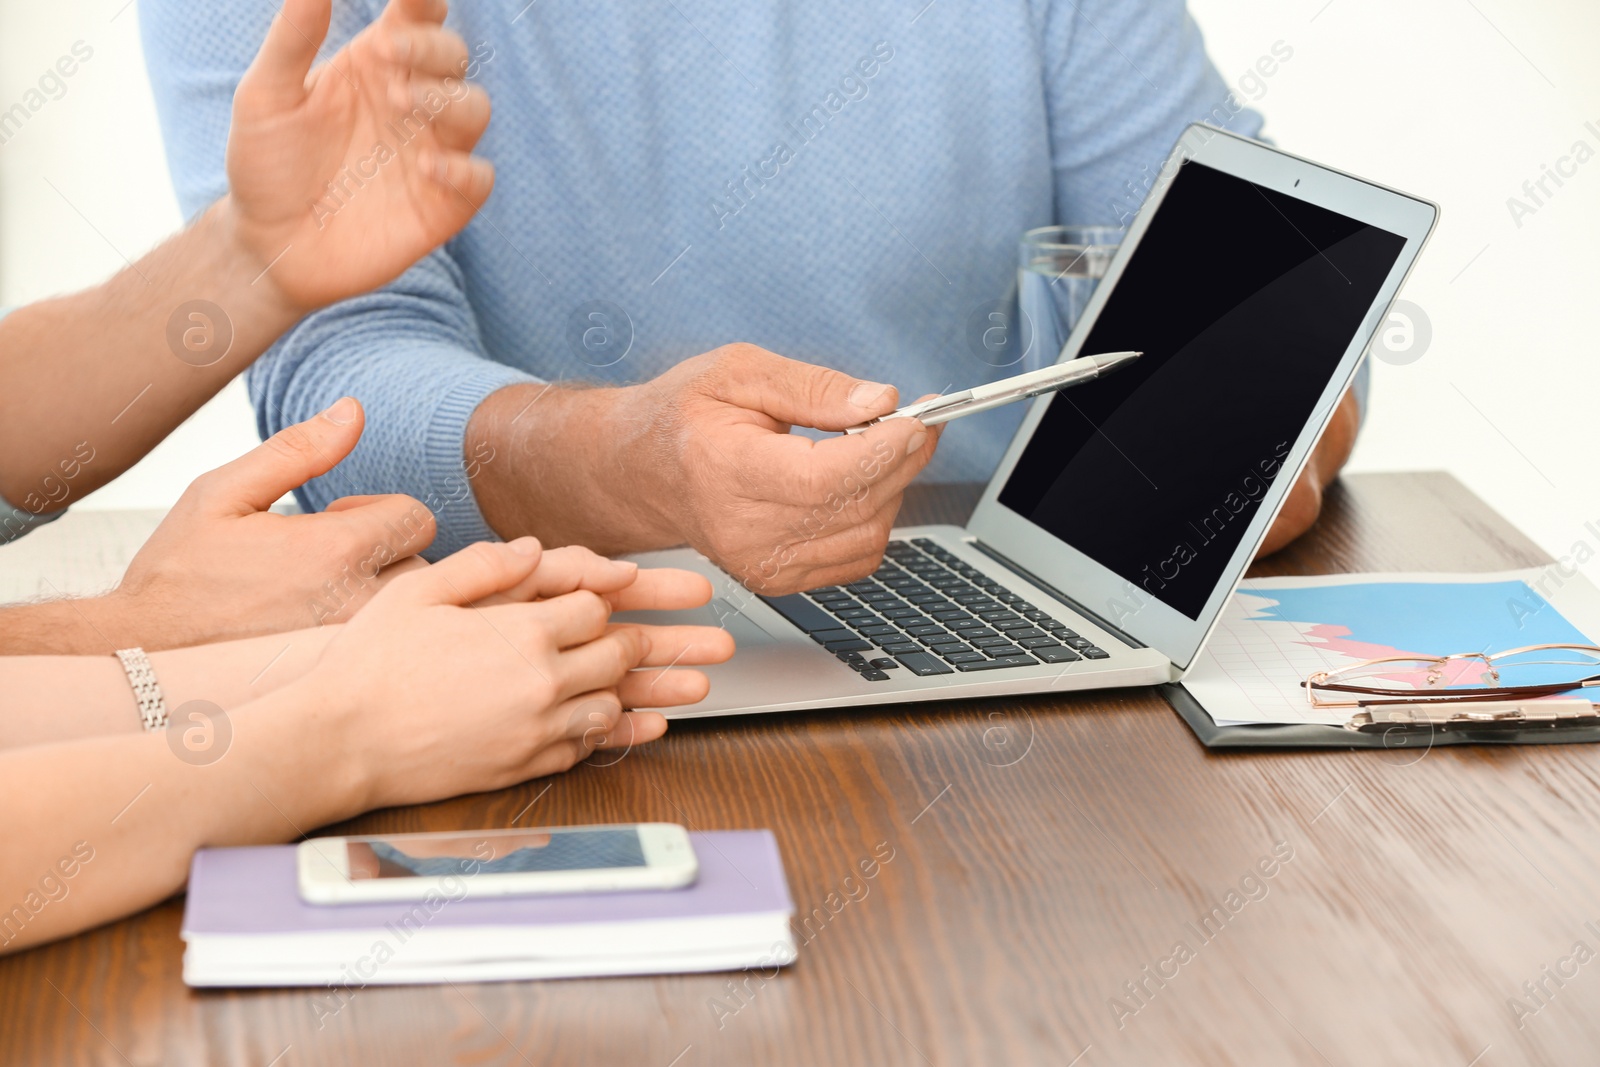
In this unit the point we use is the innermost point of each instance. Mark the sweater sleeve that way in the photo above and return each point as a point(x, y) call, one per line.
point(410, 352)
point(1123, 79)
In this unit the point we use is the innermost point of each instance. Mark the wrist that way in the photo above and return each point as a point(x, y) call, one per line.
point(139, 612)
point(247, 265)
point(322, 716)
point(88, 626)
point(108, 619)
point(576, 466)
point(74, 626)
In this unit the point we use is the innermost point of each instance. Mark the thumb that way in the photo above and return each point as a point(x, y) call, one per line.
point(477, 571)
point(277, 78)
point(285, 461)
point(801, 394)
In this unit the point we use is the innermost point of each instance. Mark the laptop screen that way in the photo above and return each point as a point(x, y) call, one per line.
point(1243, 301)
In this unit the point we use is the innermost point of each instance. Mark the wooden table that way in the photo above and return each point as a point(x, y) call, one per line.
point(1046, 851)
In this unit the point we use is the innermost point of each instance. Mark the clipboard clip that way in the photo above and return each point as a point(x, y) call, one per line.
point(1482, 716)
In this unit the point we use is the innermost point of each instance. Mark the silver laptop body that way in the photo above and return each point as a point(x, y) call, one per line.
point(1027, 598)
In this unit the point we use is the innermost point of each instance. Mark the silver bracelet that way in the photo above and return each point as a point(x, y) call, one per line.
point(152, 705)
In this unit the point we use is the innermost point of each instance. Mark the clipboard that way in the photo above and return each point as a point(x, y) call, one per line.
point(1451, 725)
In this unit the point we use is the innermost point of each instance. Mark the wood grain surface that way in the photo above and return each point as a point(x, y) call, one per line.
point(1050, 857)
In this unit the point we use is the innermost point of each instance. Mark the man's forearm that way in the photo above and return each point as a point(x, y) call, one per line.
point(90, 626)
point(91, 382)
point(570, 466)
point(702, 455)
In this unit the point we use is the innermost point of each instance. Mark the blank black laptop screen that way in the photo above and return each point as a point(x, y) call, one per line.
point(1243, 300)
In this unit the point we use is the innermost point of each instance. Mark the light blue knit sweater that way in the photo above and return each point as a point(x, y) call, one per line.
point(838, 181)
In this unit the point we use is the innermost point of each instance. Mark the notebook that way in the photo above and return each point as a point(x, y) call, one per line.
point(244, 924)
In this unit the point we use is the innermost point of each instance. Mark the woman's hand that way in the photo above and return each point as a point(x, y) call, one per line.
point(430, 692)
point(627, 588)
point(441, 686)
point(342, 177)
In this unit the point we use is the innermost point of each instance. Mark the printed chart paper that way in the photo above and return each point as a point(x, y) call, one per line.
point(1277, 631)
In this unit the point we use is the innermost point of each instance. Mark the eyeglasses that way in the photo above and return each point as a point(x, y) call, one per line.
point(1517, 673)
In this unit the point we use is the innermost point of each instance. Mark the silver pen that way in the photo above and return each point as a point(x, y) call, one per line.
point(1007, 390)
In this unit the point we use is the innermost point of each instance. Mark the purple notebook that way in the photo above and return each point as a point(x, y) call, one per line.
point(245, 925)
point(255, 891)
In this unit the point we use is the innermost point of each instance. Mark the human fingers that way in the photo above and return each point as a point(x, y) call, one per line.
point(799, 471)
point(354, 500)
point(621, 582)
point(573, 567)
point(277, 76)
point(466, 576)
point(797, 393)
point(663, 688)
point(850, 551)
point(459, 122)
point(597, 720)
point(403, 12)
point(633, 728)
point(637, 728)
point(393, 520)
point(662, 589)
point(394, 570)
point(592, 712)
point(467, 179)
point(688, 645)
point(664, 677)
point(283, 462)
point(561, 622)
point(602, 662)
point(424, 48)
point(882, 460)
point(838, 487)
point(919, 452)
point(575, 727)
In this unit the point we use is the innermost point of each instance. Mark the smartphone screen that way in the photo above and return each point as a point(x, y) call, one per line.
point(498, 853)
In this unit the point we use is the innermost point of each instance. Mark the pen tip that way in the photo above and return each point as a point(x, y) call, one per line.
point(1113, 360)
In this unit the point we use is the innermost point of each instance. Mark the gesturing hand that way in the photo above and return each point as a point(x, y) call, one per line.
point(779, 511)
point(443, 687)
point(221, 565)
point(355, 170)
point(703, 454)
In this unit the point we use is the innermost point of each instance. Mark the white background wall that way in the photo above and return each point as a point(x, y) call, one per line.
point(1461, 101)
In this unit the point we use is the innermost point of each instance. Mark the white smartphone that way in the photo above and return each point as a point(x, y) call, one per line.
point(566, 859)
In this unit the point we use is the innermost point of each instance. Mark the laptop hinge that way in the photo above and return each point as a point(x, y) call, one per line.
point(1023, 572)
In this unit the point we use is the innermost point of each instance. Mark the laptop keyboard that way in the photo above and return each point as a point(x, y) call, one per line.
point(927, 611)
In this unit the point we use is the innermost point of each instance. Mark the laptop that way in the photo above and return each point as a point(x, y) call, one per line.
point(1111, 535)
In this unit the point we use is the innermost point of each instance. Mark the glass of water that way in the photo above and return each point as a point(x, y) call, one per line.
point(1058, 268)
